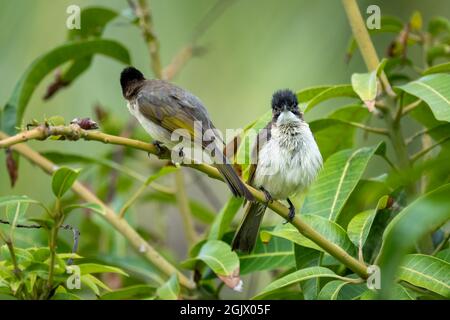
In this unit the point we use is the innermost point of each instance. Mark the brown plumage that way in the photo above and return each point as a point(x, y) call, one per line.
point(162, 108)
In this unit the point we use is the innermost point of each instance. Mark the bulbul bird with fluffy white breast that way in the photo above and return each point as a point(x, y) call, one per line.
point(162, 108)
point(287, 161)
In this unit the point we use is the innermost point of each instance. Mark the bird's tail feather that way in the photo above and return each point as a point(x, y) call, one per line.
point(234, 182)
point(245, 238)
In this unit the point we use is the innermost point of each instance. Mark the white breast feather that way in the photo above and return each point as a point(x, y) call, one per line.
point(288, 163)
point(156, 132)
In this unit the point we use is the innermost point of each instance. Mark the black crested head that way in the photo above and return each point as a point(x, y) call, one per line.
point(283, 98)
point(129, 76)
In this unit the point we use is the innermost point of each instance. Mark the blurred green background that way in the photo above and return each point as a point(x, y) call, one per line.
point(254, 48)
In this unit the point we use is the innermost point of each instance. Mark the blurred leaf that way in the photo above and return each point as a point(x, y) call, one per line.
point(307, 94)
point(65, 158)
point(12, 166)
point(426, 272)
point(88, 206)
point(366, 85)
point(359, 227)
point(332, 134)
point(336, 91)
point(14, 212)
point(13, 111)
point(416, 21)
point(336, 181)
point(65, 296)
point(438, 25)
point(137, 267)
point(437, 51)
point(219, 257)
point(435, 91)
point(88, 268)
point(93, 21)
point(223, 220)
point(410, 225)
point(295, 277)
point(328, 229)
point(198, 209)
point(169, 290)
point(444, 255)
point(62, 180)
point(440, 68)
point(140, 291)
point(248, 140)
point(13, 199)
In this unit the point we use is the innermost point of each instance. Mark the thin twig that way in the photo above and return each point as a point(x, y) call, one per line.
point(75, 231)
point(10, 246)
point(424, 151)
point(74, 131)
point(408, 108)
point(442, 244)
point(381, 131)
point(143, 12)
point(185, 210)
point(190, 49)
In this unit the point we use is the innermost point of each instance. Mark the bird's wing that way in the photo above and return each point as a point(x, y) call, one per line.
point(172, 107)
point(259, 144)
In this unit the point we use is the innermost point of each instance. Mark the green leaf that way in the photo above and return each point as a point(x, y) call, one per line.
point(359, 227)
point(307, 94)
point(223, 220)
point(438, 25)
point(13, 199)
point(440, 68)
point(248, 140)
point(435, 91)
point(89, 206)
point(336, 181)
point(328, 229)
point(169, 290)
point(444, 255)
point(14, 110)
point(199, 210)
point(277, 253)
point(366, 85)
point(140, 291)
point(426, 272)
point(218, 256)
point(410, 225)
point(340, 290)
point(93, 21)
point(88, 268)
point(333, 134)
point(65, 296)
point(336, 91)
point(66, 158)
point(295, 277)
point(93, 283)
point(63, 179)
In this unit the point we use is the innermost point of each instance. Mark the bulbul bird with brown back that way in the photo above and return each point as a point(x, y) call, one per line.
point(162, 108)
point(287, 160)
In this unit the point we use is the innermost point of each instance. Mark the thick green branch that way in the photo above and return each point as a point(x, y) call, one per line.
point(364, 43)
point(74, 132)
